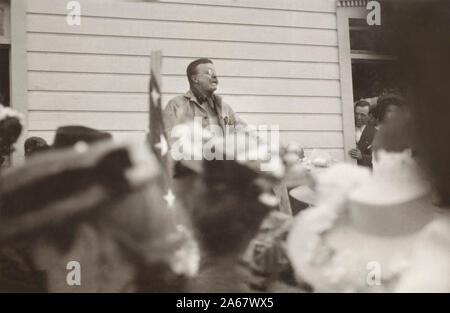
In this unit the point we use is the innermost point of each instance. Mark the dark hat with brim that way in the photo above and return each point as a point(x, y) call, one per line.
point(67, 136)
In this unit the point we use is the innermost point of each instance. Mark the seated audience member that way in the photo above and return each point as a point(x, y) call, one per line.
point(365, 133)
point(35, 144)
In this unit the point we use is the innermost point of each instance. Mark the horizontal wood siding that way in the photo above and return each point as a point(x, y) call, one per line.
point(277, 63)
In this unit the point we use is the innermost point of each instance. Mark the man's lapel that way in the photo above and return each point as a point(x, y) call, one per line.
point(365, 140)
point(218, 104)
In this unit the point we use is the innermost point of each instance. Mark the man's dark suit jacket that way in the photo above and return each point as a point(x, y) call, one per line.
point(365, 145)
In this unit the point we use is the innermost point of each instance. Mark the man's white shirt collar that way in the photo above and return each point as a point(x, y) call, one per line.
point(358, 132)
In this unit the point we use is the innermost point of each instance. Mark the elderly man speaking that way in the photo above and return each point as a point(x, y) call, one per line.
point(200, 100)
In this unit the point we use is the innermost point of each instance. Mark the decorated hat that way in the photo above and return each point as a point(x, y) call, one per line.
point(117, 184)
point(362, 234)
point(230, 184)
point(238, 160)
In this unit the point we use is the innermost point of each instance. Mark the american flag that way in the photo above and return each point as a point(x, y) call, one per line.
point(157, 137)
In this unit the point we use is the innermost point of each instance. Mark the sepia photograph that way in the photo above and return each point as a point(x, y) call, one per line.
point(228, 154)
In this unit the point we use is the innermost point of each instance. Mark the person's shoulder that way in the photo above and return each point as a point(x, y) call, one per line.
point(438, 231)
point(371, 126)
point(226, 108)
point(176, 102)
point(371, 129)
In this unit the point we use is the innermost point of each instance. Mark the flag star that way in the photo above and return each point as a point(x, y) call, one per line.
point(155, 96)
point(170, 198)
point(162, 145)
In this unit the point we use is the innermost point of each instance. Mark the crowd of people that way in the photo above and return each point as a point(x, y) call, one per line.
point(131, 220)
point(104, 204)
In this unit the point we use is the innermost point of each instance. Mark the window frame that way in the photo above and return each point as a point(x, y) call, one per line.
point(19, 69)
point(346, 10)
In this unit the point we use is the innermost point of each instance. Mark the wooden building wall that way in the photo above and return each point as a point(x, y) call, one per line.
point(277, 62)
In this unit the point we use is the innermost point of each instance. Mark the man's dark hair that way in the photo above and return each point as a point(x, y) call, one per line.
point(192, 67)
point(384, 101)
point(10, 130)
point(362, 103)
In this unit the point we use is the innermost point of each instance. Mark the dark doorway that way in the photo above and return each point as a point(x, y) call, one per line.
point(372, 78)
point(4, 75)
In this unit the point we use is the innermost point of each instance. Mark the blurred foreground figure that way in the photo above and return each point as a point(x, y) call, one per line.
point(388, 106)
point(99, 209)
point(382, 233)
point(10, 130)
point(229, 200)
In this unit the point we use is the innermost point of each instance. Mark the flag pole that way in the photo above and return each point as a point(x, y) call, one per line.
point(157, 138)
point(155, 73)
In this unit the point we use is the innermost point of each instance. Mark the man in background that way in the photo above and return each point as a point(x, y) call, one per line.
point(365, 132)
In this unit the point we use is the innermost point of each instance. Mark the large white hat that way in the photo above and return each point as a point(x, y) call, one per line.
point(362, 235)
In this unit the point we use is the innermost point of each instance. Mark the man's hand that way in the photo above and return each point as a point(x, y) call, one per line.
point(355, 153)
